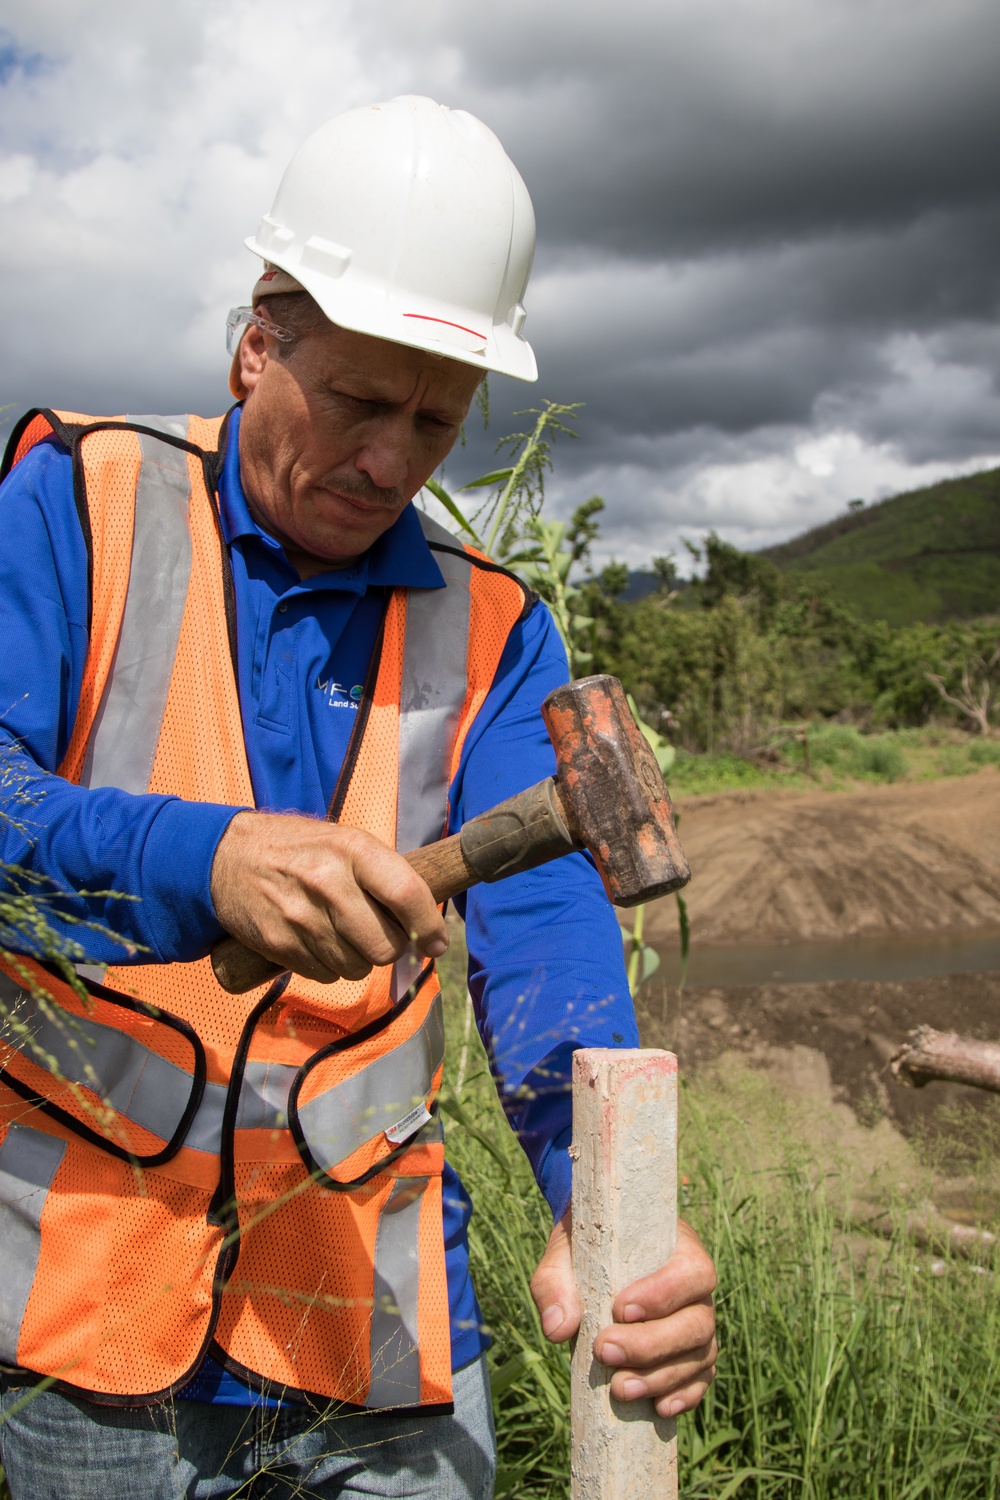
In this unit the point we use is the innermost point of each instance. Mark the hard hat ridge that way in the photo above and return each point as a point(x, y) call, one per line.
point(408, 221)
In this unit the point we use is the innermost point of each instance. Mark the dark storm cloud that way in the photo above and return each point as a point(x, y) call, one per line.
point(660, 129)
point(735, 342)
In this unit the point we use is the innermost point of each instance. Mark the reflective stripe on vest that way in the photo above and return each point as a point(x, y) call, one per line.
point(388, 1097)
point(28, 1163)
point(126, 728)
point(435, 678)
point(394, 1352)
point(115, 1069)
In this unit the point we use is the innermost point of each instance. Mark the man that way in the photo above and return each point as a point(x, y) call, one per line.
point(242, 1202)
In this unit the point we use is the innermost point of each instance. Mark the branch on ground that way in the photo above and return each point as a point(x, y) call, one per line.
point(928, 1055)
point(928, 1227)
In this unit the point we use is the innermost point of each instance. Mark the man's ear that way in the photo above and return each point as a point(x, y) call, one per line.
point(248, 362)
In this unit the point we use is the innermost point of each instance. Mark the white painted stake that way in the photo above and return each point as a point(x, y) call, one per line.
point(624, 1227)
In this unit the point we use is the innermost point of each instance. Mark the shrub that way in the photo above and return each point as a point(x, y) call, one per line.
point(985, 752)
point(843, 749)
point(834, 745)
point(882, 759)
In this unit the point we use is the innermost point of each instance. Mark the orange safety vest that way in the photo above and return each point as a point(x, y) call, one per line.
point(183, 1171)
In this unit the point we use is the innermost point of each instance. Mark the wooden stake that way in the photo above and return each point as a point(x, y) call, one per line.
point(624, 1227)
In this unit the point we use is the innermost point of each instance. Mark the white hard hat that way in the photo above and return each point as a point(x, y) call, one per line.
point(408, 221)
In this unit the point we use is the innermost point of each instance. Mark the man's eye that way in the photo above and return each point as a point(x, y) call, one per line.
point(355, 404)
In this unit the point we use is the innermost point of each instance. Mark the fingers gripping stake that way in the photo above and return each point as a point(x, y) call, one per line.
point(607, 797)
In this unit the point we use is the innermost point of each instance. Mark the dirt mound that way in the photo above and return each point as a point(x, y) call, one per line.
point(774, 867)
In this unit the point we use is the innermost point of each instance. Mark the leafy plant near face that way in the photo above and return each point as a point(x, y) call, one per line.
point(508, 526)
point(551, 551)
point(496, 524)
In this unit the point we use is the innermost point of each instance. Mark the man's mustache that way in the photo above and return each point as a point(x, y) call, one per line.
point(358, 487)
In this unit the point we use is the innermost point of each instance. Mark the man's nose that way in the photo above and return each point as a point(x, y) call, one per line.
point(384, 455)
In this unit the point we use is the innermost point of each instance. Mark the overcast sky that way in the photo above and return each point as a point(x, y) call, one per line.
point(769, 230)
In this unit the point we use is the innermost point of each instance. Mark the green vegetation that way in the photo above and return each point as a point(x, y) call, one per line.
point(748, 655)
point(837, 756)
point(851, 1368)
point(932, 554)
point(848, 1370)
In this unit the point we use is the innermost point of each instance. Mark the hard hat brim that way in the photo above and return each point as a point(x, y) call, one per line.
point(382, 315)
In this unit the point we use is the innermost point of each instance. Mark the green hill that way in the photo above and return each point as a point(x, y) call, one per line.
point(932, 554)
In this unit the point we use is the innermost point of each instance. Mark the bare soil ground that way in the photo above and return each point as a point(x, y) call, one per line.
point(775, 866)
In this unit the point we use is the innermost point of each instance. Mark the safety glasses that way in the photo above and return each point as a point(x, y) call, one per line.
point(239, 316)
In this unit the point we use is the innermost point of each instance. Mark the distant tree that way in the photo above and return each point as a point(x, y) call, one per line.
point(613, 580)
point(855, 505)
point(976, 694)
point(743, 575)
point(665, 569)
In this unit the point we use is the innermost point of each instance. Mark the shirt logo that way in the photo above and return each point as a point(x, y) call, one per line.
point(338, 695)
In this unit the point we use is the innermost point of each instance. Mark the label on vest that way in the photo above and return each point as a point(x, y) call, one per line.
point(408, 1124)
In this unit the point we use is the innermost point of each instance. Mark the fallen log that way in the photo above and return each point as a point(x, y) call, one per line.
point(928, 1227)
point(928, 1055)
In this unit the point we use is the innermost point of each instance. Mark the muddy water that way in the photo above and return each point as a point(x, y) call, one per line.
point(896, 958)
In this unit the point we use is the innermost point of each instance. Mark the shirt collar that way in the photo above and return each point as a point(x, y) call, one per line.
point(400, 558)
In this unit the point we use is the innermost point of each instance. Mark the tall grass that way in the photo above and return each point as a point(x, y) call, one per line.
point(847, 1368)
point(528, 1375)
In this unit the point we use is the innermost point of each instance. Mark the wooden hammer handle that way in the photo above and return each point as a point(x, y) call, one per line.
point(524, 831)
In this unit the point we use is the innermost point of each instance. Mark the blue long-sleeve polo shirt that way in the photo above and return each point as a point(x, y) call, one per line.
point(545, 957)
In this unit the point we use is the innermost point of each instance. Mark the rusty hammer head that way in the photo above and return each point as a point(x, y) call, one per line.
point(612, 792)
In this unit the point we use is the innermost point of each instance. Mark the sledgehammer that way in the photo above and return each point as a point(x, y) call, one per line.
point(608, 797)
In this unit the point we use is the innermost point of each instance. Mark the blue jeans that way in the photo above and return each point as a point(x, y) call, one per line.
point(57, 1447)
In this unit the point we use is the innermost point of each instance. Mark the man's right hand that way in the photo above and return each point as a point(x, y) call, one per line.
point(320, 899)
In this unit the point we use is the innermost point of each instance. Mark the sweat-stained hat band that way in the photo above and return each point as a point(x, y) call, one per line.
point(273, 282)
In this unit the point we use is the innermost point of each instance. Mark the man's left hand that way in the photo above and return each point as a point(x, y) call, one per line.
point(662, 1341)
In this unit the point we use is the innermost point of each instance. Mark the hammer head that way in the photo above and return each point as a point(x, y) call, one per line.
point(611, 785)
